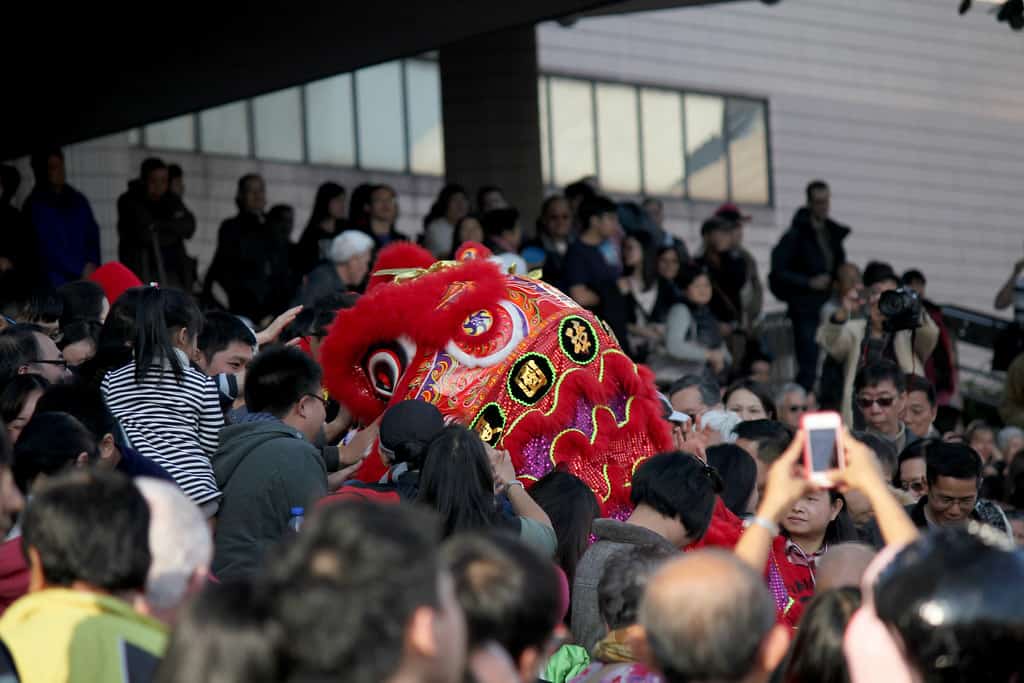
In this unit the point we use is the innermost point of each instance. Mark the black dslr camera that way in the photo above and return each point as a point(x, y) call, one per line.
point(901, 309)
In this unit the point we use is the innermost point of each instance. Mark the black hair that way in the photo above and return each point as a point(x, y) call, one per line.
point(545, 205)
point(739, 475)
point(509, 593)
point(579, 189)
point(325, 194)
point(919, 383)
point(346, 587)
point(316, 320)
point(79, 330)
point(624, 580)
point(710, 393)
point(912, 451)
point(82, 402)
point(716, 223)
point(225, 634)
point(174, 171)
point(10, 180)
point(878, 271)
point(457, 237)
point(679, 486)
point(913, 275)
point(5, 447)
point(497, 222)
point(240, 190)
point(277, 379)
point(18, 347)
point(878, 372)
point(483, 192)
point(594, 207)
point(457, 481)
point(885, 450)
point(149, 165)
point(158, 313)
point(688, 272)
point(116, 338)
point(219, 330)
point(953, 460)
point(440, 206)
point(357, 213)
point(572, 508)
point(41, 306)
point(82, 300)
point(14, 393)
point(50, 443)
point(40, 161)
point(648, 259)
point(816, 655)
point(91, 526)
point(841, 529)
point(758, 390)
point(814, 186)
point(772, 438)
point(976, 583)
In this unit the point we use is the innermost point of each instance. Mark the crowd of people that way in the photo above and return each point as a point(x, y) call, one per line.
point(177, 490)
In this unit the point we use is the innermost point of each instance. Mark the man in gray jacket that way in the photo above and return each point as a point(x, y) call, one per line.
point(269, 464)
point(673, 495)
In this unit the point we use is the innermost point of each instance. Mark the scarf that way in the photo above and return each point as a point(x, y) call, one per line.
point(707, 332)
point(614, 648)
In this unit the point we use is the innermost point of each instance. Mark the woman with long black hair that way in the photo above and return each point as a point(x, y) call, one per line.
point(451, 206)
point(462, 483)
point(326, 222)
point(169, 411)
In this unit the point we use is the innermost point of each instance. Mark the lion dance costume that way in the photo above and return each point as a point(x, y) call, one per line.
point(507, 355)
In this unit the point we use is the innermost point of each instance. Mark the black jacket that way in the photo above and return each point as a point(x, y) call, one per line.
point(142, 224)
point(798, 257)
point(251, 264)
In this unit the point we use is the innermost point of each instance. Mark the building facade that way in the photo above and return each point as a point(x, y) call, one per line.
point(914, 116)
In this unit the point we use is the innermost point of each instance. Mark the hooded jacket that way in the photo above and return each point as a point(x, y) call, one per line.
point(264, 469)
point(798, 257)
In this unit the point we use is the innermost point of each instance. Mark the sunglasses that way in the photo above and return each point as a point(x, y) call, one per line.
point(882, 401)
point(917, 486)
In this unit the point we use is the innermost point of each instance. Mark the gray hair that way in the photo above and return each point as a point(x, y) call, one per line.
point(722, 421)
point(789, 388)
point(179, 541)
point(710, 392)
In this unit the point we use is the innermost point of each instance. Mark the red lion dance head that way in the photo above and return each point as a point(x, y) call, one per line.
point(506, 355)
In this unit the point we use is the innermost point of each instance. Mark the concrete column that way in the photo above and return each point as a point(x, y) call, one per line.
point(490, 110)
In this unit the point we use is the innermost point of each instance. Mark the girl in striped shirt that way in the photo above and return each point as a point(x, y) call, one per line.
point(169, 410)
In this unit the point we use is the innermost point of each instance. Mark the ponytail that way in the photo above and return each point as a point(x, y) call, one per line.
point(157, 313)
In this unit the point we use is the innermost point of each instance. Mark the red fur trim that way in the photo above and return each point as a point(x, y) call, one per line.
point(398, 255)
point(724, 531)
point(417, 309)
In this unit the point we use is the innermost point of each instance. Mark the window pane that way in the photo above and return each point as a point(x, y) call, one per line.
point(277, 119)
point(426, 133)
point(662, 117)
point(618, 138)
point(748, 150)
point(176, 133)
point(705, 150)
point(225, 130)
point(545, 139)
point(330, 121)
point(379, 108)
point(572, 130)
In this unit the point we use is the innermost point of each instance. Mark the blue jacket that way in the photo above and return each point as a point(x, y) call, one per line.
point(67, 233)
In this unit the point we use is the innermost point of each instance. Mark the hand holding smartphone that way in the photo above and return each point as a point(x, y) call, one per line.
point(823, 447)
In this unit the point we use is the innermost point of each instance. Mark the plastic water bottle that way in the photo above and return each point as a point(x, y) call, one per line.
point(295, 521)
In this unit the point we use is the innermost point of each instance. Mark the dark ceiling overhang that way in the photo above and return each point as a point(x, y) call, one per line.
point(91, 69)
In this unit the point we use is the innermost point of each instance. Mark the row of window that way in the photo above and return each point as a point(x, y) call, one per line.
point(635, 139)
point(654, 141)
point(386, 117)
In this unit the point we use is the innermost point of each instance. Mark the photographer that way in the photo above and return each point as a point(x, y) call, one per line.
point(887, 327)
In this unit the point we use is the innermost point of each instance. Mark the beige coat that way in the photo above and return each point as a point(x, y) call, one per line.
point(843, 343)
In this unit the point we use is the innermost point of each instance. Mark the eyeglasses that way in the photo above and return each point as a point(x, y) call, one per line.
point(882, 401)
point(942, 502)
point(917, 486)
point(322, 399)
point(61, 362)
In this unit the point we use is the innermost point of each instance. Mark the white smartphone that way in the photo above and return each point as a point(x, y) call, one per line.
point(823, 449)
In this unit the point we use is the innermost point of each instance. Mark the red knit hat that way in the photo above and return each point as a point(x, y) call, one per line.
point(115, 278)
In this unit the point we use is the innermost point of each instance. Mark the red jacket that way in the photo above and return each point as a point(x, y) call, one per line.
point(13, 573)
